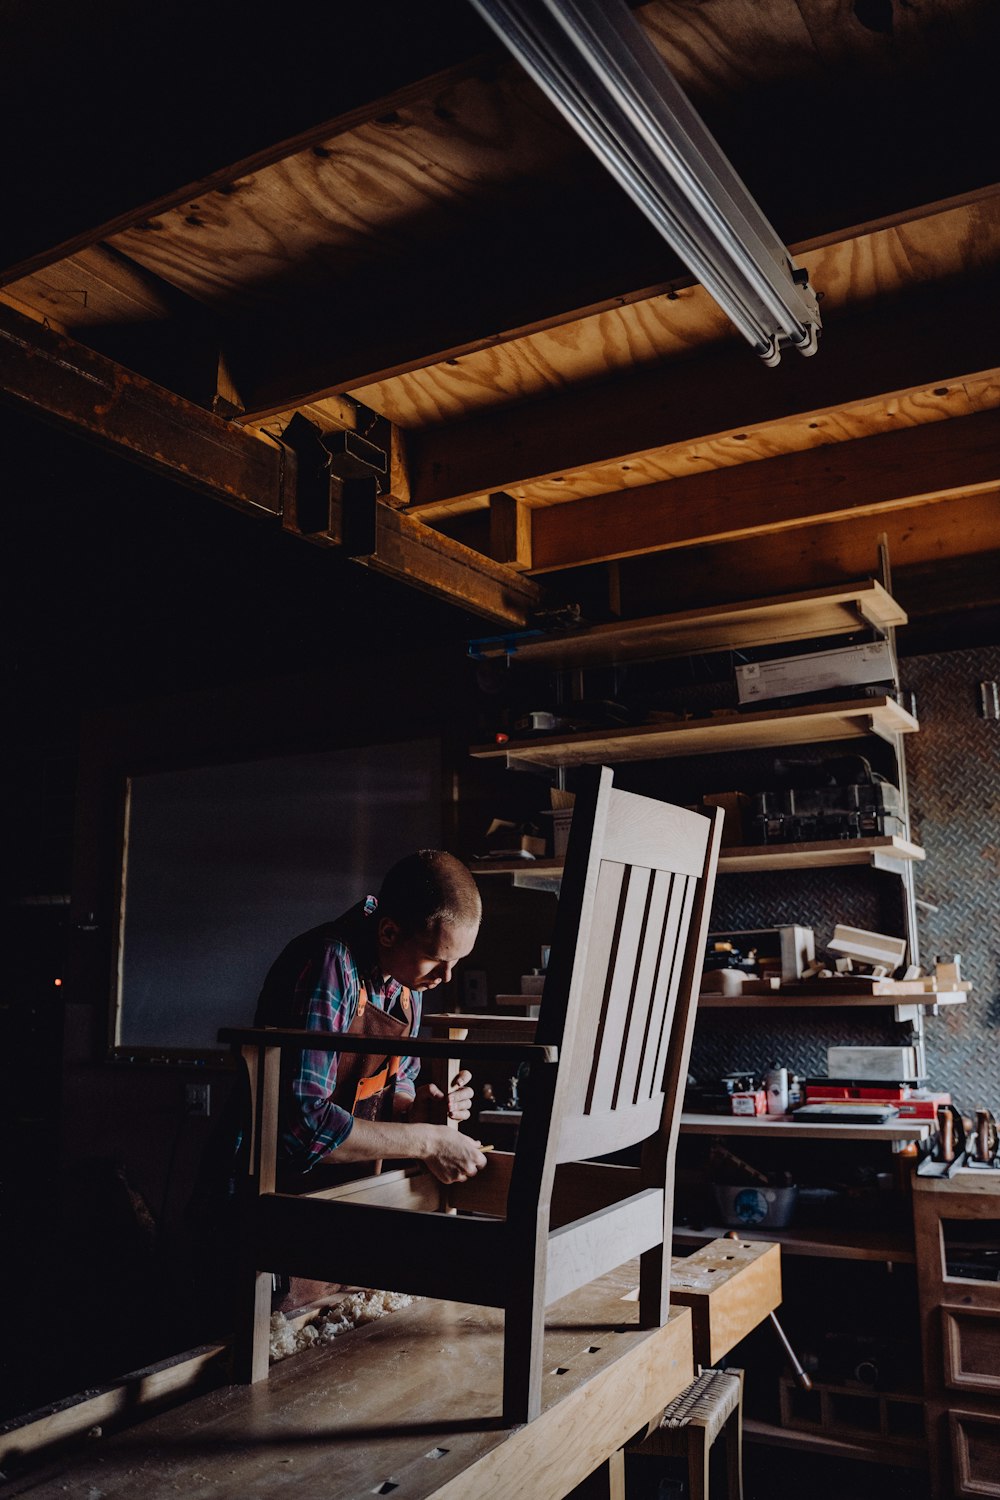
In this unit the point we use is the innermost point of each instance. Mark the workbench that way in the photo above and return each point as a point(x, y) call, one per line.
point(406, 1406)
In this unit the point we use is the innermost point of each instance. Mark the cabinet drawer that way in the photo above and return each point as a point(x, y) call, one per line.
point(975, 1452)
point(971, 1346)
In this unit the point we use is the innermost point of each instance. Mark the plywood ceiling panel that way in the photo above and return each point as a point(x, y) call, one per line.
point(951, 243)
point(379, 193)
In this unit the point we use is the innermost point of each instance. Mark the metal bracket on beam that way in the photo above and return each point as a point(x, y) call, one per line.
point(310, 510)
point(337, 485)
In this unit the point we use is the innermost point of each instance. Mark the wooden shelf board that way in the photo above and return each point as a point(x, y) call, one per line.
point(824, 855)
point(823, 1244)
point(825, 998)
point(727, 627)
point(547, 867)
point(827, 1130)
point(745, 858)
point(803, 725)
point(911, 1454)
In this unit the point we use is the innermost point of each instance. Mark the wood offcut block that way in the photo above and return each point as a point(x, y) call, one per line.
point(730, 1286)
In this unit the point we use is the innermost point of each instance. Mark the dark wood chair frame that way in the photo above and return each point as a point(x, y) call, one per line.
point(606, 1073)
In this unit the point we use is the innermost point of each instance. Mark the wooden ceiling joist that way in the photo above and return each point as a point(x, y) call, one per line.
point(53, 377)
point(869, 475)
point(927, 336)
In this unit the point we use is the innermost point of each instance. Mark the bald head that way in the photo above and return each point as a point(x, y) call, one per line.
point(427, 890)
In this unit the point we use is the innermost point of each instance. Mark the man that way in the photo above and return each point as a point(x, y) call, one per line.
point(363, 975)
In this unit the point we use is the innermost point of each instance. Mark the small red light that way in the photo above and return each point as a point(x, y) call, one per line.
point(57, 982)
point(501, 738)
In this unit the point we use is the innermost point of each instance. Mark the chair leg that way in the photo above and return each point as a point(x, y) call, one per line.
point(523, 1352)
point(699, 1452)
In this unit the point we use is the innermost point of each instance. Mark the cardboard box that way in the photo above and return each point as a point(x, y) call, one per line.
point(790, 676)
point(736, 806)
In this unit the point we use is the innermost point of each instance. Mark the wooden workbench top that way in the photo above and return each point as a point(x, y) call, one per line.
point(410, 1402)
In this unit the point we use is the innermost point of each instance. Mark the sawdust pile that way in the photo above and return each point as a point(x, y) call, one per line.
point(330, 1322)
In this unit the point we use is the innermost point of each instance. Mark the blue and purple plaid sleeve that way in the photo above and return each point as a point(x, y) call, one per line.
point(326, 999)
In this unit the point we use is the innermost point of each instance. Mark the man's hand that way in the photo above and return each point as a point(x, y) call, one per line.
point(449, 1155)
point(459, 1099)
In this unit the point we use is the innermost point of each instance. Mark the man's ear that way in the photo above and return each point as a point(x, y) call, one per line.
point(388, 932)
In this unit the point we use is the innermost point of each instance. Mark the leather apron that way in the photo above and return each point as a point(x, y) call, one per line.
point(365, 1087)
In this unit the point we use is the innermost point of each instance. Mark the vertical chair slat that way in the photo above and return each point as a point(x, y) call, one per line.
point(620, 966)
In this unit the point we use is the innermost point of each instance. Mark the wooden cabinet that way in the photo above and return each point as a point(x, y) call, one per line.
point(957, 1234)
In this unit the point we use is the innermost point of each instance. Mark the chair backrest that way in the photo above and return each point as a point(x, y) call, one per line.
point(626, 959)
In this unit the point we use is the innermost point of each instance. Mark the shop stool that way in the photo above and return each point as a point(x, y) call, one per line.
point(711, 1404)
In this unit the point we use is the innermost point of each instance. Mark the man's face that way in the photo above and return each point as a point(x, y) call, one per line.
point(424, 960)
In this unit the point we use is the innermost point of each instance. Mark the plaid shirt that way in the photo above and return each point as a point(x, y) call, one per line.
point(325, 998)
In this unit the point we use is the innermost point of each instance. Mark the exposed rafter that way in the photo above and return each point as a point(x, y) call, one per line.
point(870, 475)
point(927, 336)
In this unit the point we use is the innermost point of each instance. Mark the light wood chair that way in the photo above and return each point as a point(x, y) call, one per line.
point(607, 1073)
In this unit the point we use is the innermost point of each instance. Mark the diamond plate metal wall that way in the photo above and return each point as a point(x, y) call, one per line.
point(954, 771)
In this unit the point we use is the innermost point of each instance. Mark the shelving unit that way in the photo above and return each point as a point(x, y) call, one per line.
point(762, 623)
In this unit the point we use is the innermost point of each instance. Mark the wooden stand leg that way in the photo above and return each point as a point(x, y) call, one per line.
point(733, 1433)
point(606, 1483)
point(699, 1452)
point(252, 1343)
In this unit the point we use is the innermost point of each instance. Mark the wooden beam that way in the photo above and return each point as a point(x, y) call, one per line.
point(868, 476)
point(52, 376)
point(933, 334)
point(56, 378)
point(413, 553)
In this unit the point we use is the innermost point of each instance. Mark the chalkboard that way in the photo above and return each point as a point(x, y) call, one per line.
point(224, 864)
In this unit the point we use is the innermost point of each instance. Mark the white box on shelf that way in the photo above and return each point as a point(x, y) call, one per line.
point(848, 666)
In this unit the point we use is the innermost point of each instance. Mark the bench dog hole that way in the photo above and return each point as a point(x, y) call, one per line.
point(592, 1349)
point(560, 1370)
point(386, 1487)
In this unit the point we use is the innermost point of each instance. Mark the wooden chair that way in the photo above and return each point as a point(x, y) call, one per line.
point(607, 1072)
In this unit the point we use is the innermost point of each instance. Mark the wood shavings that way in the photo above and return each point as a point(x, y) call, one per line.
point(329, 1323)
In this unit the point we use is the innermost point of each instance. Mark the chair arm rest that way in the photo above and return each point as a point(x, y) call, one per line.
point(335, 1041)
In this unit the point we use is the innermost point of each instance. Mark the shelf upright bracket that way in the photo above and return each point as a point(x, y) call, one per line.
point(531, 767)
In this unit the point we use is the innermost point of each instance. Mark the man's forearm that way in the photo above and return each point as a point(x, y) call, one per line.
point(371, 1140)
point(447, 1153)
